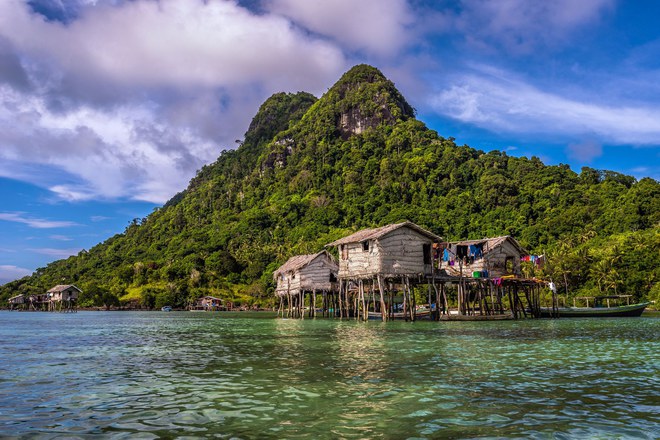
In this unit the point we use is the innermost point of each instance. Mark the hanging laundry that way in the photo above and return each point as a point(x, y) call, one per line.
point(540, 260)
point(476, 250)
point(445, 255)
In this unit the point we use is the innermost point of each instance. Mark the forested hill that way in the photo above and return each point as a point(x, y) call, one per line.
point(310, 171)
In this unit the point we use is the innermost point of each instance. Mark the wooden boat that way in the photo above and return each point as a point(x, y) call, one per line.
point(600, 309)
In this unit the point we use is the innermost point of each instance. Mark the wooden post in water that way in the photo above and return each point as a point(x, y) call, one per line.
point(383, 307)
point(512, 304)
point(430, 302)
point(413, 300)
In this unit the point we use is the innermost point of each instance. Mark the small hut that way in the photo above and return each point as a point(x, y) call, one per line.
point(303, 274)
point(38, 302)
point(486, 258)
point(391, 251)
point(63, 298)
point(17, 302)
point(396, 253)
point(208, 304)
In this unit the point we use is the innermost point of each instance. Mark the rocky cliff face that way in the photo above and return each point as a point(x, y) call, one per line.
point(366, 99)
point(362, 99)
point(355, 120)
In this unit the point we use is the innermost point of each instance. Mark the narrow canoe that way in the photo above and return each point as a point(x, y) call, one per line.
point(596, 312)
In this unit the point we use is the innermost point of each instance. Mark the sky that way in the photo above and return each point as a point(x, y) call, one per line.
point(109, 107)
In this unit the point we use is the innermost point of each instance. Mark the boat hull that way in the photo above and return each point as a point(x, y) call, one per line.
point(420, 314)
point(632, 310)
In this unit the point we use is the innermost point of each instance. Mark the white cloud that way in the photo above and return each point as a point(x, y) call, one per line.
point(9, 273)
point(377, 26)
point(170, 42)
point(103, 151)
point(19, 217)
point(129, 100)
point(499, 102)
point(58, 253)
point(523, 25)
point(60, 238)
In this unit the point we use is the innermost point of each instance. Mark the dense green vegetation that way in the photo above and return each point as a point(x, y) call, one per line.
point(310, 171)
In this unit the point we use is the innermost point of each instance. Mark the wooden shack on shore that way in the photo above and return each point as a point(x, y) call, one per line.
point(303, 275)
point(485, 258)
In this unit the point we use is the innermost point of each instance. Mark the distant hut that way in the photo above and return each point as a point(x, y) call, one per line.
point(63, 298)
point(208, 304)
point(17, 302)
point(397, 253)
point(489, 257)
point(304, 274)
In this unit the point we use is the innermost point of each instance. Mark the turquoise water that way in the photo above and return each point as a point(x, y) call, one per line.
point(224, 375)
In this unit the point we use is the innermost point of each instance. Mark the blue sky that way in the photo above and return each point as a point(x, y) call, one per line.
point(108, 107)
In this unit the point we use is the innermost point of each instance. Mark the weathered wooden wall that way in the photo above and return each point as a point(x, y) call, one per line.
point(360, 263)
point(316, 275)
point(400, 252)
point(313, 276)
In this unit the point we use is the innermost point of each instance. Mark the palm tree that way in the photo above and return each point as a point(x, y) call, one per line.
point(600, 271)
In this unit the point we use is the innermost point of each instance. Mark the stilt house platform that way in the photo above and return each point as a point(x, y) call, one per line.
point(382, 273)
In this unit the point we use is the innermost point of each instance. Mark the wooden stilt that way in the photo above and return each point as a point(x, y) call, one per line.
point(413, 301)
point(383, 307)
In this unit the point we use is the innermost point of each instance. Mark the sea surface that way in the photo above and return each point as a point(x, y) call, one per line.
point(233, 375)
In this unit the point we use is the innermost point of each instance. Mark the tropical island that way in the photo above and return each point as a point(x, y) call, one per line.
point(310, 171)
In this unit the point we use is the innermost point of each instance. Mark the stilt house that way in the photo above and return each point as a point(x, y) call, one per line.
point(63, 298)
point(307, 273)
point(38, 302)
point(401, 249)
point(64, 292)
point(16, 302)
point(208, 303)
point(489, 257)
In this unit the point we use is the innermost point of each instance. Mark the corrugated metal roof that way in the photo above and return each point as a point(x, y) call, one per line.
point(370, 234)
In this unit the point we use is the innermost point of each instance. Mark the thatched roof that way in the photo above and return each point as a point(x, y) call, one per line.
point(492, 243)
point(370, 234)
point(62, 288)
point(298, 262)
